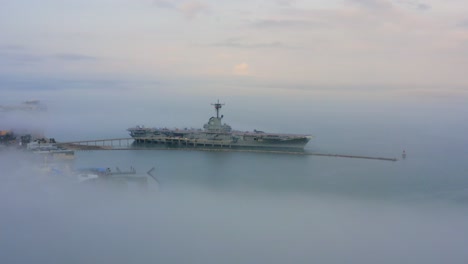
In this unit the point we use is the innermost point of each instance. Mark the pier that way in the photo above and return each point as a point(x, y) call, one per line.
point(97, 144)
point(121, 142)
point(191, 145)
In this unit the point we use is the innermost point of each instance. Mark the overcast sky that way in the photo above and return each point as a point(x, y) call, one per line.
point(410, 43)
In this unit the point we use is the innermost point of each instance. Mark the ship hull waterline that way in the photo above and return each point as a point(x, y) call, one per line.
point(295, 143)
point(215, 133)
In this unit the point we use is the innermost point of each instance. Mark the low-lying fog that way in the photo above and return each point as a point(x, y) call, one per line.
point(236, 208)
point(50, 220)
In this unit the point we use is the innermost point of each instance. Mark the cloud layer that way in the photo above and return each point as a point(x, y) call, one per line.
point(353, 42)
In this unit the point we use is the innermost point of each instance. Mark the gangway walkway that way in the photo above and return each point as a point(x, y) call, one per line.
point(97, 143)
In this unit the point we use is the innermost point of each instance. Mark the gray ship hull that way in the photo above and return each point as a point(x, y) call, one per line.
point(217, 134)
point(203, 139)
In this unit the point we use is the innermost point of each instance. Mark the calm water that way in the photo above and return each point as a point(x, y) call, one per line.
point(212, 207)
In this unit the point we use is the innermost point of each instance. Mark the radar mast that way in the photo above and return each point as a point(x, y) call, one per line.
point(217, 107)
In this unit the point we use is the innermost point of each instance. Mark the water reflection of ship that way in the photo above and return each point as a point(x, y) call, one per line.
point(217, 134)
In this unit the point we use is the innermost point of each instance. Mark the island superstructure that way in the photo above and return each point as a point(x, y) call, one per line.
point(217, 134)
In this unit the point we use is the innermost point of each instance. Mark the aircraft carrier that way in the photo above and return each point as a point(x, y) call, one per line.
point(217, 134)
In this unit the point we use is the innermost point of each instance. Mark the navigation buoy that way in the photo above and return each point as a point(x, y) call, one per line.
point(404, 154)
